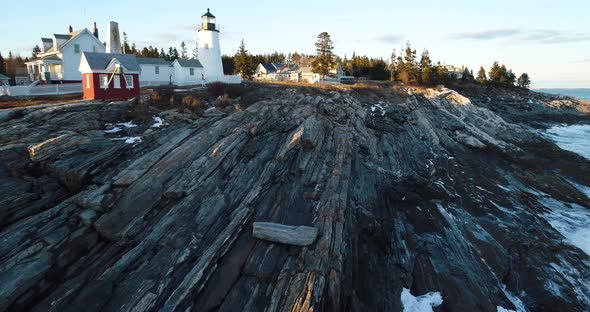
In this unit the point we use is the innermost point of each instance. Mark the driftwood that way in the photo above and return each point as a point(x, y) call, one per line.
point(285, 234)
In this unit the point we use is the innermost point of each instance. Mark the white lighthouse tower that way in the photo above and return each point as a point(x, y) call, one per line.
point(209, 51)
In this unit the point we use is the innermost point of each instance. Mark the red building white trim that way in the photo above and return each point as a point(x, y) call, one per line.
point(107, 76)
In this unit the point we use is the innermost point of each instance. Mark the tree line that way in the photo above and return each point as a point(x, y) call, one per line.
point(9, 65)
point(404, 67)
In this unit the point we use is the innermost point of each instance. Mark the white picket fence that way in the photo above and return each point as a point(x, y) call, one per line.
point(41, 89)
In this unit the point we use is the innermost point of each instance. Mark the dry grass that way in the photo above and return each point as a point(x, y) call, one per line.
point(12, 102)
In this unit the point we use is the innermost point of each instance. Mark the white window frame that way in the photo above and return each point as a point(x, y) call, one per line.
point(117, 81)
point(104, 81)
point(191, 71)
point(87, 81)
point(129, 81)
point(76, 48)
point(157, 68)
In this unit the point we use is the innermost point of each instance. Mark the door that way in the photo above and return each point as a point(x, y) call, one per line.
point(117, 81)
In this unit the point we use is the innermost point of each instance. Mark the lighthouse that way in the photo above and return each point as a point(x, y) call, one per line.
point(209, 51)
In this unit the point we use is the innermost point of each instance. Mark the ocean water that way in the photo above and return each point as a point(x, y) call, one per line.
point(574, 138)
point(582, 93)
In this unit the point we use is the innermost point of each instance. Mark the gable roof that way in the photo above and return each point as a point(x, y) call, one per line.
point(101, 61)
point(69, 38)
point(269, 67)
point(152, 61)
point(189, 63)
point(49, 40)
point(60, 36)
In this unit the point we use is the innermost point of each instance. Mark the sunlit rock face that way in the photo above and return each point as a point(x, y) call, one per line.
point(442, 199)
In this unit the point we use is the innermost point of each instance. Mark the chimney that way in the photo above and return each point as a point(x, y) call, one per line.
point(113, 39)
point(95, 31)
point(71, 30)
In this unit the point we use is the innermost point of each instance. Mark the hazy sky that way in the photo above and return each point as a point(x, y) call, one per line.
point(548, 39)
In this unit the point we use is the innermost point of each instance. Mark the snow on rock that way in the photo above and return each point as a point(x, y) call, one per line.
point(423, 303)
point(158, 122)
point(128, 140)
point(500, 309)
point(451, 95)
point(520, 307)
point(379, 108)
point(129, 124)
point(114, 130)
point(574, 138)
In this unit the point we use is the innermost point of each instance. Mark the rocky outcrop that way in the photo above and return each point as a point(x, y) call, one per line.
point(431, 192)
point(285, 234)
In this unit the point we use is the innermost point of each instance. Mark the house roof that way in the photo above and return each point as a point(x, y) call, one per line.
point(60, 36)
point(269, 67)
point(189, 63)
point(3, 77)
point(152, 61)
point(69, 38)
point(100, 61)
point(305, 70)
point(208, 14)
point(47, 40)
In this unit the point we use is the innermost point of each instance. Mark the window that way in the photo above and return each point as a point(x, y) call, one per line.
point(192, 71)
point(76, 48)
point(157, 70)
point(104, 81)
point(87, 81)
point(129, 81)
point(117, 81)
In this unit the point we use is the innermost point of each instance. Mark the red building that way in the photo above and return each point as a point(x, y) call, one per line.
point(109, 76)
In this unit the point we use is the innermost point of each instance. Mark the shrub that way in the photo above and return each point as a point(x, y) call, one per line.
point(216, 89)
point(192, 102)
point(223, 101)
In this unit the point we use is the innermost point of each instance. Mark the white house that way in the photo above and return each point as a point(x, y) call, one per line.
point(59, 59)
point(155, 71)
point(274, 71)
point(4, 80)
point(188, 72)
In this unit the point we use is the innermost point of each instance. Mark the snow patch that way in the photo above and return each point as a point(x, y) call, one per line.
point(129, 124)
point(114, 130)
point(423, 303)
point(128, 140)
point(379, 108)
point(158, 122)
point(500, 309)
point(520, 307)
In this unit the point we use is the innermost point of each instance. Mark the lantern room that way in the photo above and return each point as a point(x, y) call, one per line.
point(208, 22)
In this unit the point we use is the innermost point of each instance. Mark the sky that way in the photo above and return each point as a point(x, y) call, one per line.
point(550, 40)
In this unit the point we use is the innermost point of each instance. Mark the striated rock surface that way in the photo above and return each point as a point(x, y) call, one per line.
point(285, 234)
point(443, 192)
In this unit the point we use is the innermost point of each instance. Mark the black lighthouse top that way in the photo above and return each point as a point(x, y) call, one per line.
point(208, 22)
point(208, 14)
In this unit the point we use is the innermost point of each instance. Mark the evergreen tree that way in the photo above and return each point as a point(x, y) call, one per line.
point(524, 81)
point(243, 62)
point(296, 58)
point(426, 68)
point(495, 73)
point(2, 65)
point(510, 77)
point(196, 51)
point(163, 54)
point(324, 60)
point(36, 51)
point(183, 51)
point(228, 64)
point(145, 52)
point(393, 65)
point(481, 75)
point(126, 47)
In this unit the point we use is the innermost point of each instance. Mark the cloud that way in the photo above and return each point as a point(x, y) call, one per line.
point(547, 36)
point(487, 34)
point(389, 38)
point(543, 36)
